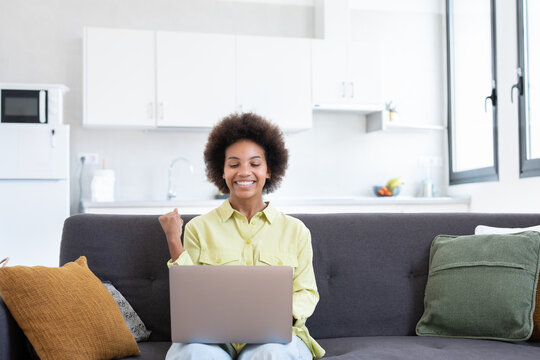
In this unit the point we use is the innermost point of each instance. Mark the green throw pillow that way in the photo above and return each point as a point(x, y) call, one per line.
point(481, 286)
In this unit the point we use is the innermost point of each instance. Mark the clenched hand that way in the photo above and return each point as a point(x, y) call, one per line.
point(171, 223)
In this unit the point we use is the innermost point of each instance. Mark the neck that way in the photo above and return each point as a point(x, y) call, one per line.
point(247, 207)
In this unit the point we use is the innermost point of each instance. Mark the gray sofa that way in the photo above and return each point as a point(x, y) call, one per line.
point(371, 272)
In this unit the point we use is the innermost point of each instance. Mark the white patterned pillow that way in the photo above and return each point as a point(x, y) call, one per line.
point(484, 230)
point(133, 321)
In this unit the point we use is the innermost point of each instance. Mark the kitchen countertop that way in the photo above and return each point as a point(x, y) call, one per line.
point(289, 205)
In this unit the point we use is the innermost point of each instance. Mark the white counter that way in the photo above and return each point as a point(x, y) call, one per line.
point(289, 205)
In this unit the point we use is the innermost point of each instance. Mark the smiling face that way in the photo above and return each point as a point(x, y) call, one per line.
point(245, 170)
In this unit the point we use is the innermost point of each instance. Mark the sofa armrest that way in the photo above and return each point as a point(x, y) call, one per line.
point(12, 339)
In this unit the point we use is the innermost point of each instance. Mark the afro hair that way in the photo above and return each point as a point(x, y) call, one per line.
point(246, 126)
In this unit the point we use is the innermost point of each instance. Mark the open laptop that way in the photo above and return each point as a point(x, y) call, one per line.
point(231, 304)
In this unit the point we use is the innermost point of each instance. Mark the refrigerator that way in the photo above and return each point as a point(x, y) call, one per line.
point(34, 192)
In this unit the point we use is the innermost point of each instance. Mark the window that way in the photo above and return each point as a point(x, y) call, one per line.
point(528, 87)
point(472, 91)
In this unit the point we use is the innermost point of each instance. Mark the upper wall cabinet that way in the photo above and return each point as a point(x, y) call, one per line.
point(119, 78)
point(168, 79)
point(346, 74)
point(274, 79)
point(196, 76)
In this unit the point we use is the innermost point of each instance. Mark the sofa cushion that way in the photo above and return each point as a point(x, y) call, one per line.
point(484, 229)
point(66, 312)
point(416, 347)
point(481, 286)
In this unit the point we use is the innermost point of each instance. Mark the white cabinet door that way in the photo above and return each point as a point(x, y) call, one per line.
point(119, 77)
point(346, 73)
point(274, 79)
point(365, 73)
point(195, 78)
point(330, 77)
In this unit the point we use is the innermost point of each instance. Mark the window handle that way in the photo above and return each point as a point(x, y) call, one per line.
point(518, 86)
point(492, 97)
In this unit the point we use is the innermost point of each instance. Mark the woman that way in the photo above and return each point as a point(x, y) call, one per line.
point(246, 156)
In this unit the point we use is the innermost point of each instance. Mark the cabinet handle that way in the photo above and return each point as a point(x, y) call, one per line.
point(150, 110)
point(343, 89)
point(352, 89)
point(161, 110)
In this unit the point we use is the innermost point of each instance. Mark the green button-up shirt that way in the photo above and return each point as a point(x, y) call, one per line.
point(225, 237)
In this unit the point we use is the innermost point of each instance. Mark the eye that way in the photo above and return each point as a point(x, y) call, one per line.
point(255, 165)
point(233, 165)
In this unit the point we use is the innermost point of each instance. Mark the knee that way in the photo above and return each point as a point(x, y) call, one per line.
point(268, 352)
point(196, 351)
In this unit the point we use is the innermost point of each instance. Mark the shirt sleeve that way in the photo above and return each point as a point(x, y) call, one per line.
point(305, 294)
point(192, 247)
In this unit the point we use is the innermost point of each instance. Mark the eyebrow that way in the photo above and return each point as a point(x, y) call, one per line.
point(237, 158)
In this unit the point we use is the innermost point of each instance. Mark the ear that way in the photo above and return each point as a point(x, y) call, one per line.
point(268, 174)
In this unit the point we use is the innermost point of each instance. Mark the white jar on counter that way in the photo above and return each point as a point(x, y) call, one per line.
point(102, 185)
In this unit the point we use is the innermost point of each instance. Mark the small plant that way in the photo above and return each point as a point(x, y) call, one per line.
point(390, 106)
point(392, 112)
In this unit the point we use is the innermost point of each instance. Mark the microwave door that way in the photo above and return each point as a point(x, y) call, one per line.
point(24, 106)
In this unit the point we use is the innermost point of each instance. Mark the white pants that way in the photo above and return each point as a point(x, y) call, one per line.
point(295, 350)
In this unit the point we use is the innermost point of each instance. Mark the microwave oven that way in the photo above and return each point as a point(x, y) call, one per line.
point(31, 103)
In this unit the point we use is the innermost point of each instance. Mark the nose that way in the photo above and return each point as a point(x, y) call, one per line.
point(244, 170)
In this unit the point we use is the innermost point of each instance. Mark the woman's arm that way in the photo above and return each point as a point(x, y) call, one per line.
point(305, 294)
point(171, 223)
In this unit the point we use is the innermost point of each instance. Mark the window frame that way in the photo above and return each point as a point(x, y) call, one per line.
point(490, 173)
point(527, 167)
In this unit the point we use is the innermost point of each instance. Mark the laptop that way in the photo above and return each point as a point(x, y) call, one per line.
point(231, 304)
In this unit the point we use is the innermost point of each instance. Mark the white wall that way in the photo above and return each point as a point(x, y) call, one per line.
point(42, 42)
point(510, 193)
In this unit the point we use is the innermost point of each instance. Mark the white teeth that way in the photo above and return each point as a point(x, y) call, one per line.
point(245, 182)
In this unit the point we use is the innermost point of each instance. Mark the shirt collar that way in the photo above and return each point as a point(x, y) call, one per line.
point(226, 211)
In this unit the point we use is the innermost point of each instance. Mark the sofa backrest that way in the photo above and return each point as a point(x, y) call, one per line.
point(371, 269)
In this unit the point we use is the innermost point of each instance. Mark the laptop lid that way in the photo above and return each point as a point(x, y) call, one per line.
point(226, 304)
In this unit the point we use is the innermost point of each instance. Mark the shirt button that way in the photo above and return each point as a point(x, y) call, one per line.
point(248, 241)
point(248, 262)
point(218, 261)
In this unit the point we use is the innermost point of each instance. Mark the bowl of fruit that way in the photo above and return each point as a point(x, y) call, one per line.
point(392, 188)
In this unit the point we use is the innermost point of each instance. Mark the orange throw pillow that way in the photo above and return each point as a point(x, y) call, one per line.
point(66, 312)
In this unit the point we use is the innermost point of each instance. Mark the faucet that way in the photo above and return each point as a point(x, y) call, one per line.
point(171, 193)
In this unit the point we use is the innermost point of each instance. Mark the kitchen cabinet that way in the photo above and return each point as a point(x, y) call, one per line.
point(163, 79)
point(119, 78)
point(196, 76)
point(346, 75)
point(274, 79)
